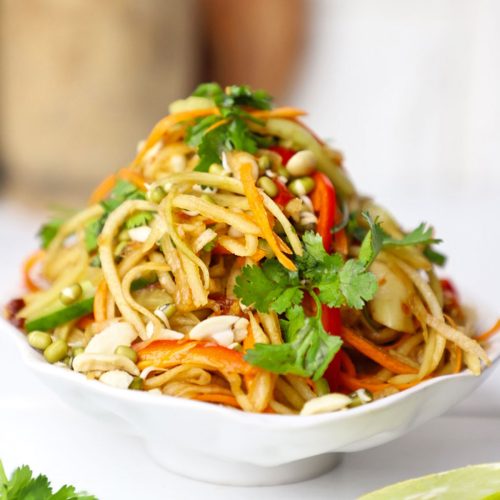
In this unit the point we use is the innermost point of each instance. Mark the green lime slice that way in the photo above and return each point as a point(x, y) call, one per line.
point(475, 482)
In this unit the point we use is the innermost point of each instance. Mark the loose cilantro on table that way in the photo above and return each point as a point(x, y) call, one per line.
point(377, 239)
point(229, 130)
point(23, 486)
point(328, 280)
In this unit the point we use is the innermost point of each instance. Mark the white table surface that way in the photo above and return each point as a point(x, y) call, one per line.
point(38, 429)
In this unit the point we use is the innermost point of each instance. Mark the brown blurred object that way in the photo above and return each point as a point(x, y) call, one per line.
point(255, 42)
point(82, 81)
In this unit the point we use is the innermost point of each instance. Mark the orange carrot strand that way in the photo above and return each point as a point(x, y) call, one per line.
point(29, 263)
point(100, 300)
point(218, 398)
point(489, 333)
point(257, 207)
point(375, 353)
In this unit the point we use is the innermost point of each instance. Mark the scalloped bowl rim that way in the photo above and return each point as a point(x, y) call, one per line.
point(37, 363)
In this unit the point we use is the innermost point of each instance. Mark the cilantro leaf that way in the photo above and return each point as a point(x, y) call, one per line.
point(242, 95)
point(270, 286)
point(139, 219)
point(339, 283)
point(329, 280)
point(308, 350)
point(195, 133)
point(23, 486)
point(240, 137)
point(122, 191)
point(234, 133)
point(211, 147)
point(377, 239)
point(316, 264)
point(92, 231)
point(48, 231)
point(434, 256)
point(211, 90)
point(356, 284)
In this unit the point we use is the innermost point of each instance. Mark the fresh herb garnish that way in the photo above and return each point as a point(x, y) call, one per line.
point(23, 486)
point(434, 256)
point(229, 130)
point(139, 219)
point(377, 239)
point(49, 230)
point(308, 349)
point(122, 191)
point(328, 280)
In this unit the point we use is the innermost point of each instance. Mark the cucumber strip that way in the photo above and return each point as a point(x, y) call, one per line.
point(61, 316)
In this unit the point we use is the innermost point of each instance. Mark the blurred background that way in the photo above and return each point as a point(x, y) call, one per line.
point(407, 90)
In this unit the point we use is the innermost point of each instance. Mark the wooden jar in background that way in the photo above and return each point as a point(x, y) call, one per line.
point(82, 81)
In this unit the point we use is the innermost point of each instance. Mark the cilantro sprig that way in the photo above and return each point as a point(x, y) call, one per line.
point(328, 280)
point(377, 239)
point(22, 485)
point(233, 132)
point(308, 349)
point(48, 231)
point(122, 191)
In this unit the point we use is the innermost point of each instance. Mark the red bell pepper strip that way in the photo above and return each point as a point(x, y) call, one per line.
point(168, 353)
point(285, 153)
point(283, 196)
point(325, 205)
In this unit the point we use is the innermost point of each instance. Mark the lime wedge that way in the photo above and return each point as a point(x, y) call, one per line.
point(476, 482)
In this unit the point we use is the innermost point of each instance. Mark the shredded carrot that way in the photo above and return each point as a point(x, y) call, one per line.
point(258, 255)
point(257, 207)
point(103, 189)
point(489, 333)
point(269, 410)
point(82, 323)
point(340, 243)
point(372, 383)
point(375, 353)
point(168, 122)
point(218, 398)
point(283, 246)
point(285, 112)
point(347, 364)
point(133, 177)
point(458, 359)
point(168, 353)
point(354, 383)
point(100, 300)
point(29, 263)
point(216, 125)
point(249, 341)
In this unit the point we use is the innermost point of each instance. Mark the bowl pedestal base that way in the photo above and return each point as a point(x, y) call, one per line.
point(195, 465)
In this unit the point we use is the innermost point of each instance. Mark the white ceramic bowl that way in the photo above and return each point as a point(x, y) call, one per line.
point(227, 446)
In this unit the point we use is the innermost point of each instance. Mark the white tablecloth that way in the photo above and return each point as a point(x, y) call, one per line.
point(38, 429)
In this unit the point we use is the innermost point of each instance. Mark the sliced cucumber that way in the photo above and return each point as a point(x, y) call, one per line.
point(58, 313)
point(302, 139)
point(190, 104)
